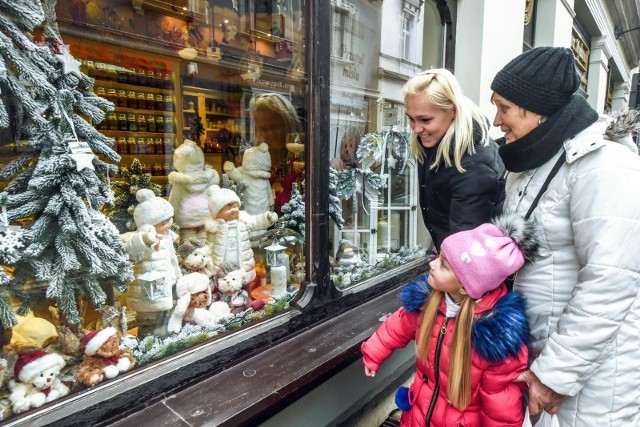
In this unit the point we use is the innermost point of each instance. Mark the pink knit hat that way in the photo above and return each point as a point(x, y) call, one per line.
point(484, 257)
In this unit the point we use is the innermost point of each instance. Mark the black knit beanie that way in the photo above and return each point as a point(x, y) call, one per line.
point(540, 80)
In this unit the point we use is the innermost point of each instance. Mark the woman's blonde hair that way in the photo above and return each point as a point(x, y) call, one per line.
point(279, 104)
point(441, 89)
point(459, 388)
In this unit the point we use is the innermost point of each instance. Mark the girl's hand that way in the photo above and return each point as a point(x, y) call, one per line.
point(369, 372)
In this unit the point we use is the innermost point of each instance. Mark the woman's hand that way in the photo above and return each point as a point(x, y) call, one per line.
point(369, 372)
point(541, 397)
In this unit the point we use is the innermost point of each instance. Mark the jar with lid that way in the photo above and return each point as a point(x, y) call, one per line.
point(151, 102)
point(101, 92)
point(101, 71)
point(142, 100)
point(142, 123)
point(168, 82)
point(168, 125)
point(132, 124)
point(142, 78)
point(131, 99)
point(166, 168)
point(132, 77)
point(122, 98)
point(121, 145)
point(151, 124)
point(140, 146)
point(122, 75)
point(168, 103)
point(159, 123)
point(156, 170)
point(146, 168)
point(112, 119)
point(131, 145)
point(112, 74)
point(150, 146)
point(159, 102)
point(112, 96)
point(91, 69)
point(168, 146)
point(159, 146)
point(123, 124)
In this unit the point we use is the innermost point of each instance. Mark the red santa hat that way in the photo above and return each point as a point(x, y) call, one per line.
point(31, 364)
point(92, 341)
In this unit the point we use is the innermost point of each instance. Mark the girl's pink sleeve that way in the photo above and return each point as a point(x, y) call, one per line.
point(396, 332)
point(502, 404)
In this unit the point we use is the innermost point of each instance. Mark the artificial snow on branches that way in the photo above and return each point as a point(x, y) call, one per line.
point(71, 251)
point(293, 211)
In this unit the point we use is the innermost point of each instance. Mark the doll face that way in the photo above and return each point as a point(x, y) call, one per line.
point(45, 378)
point(199, 300)
point(229, 212)
point(442, 278)
point(164, 226)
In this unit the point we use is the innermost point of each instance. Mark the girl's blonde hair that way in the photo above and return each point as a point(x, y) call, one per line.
point(441, 89)
point(279, 104)
point(459, 388)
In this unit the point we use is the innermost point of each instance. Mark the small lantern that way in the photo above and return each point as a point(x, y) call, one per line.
point(275, 254)
point(153, 286)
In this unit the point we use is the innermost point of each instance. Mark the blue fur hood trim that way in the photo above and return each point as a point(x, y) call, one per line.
point(497, 333)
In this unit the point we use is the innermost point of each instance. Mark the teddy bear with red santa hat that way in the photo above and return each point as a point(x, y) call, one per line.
point(36, 380)
point(102, 356)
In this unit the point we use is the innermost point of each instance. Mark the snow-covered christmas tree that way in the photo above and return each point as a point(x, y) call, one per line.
point(293, 211)
point(71, 250)
point(121, 210)
point(335, 204)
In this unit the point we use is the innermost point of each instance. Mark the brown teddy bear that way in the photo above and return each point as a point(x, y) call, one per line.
point(103, 357)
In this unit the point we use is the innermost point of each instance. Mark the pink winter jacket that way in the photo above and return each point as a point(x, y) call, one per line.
point(499, 355)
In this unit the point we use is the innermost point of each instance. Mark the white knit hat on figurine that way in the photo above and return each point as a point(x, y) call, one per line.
point(219, 198)
point(92, 341)
point(151, 210)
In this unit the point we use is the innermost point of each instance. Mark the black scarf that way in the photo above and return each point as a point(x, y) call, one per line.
point(542, 143)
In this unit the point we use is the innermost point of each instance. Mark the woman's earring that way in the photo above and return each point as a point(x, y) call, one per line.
point(540, 121)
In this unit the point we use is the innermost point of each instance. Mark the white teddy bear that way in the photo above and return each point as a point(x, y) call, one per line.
point(254, 174)
point(194, 295)
point(189, 183)
point(230, 284)
point(38, 383)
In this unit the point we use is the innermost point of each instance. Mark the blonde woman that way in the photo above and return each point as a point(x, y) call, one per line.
point(459, 170)
point(470, 332)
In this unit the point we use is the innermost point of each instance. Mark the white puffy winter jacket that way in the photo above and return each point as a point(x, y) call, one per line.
point(582, 289)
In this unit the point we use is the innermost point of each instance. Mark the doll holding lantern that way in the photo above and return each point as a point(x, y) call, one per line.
point(155, 264)
point(228, 231)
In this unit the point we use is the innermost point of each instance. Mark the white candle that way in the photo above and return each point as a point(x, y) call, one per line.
point(278, 281)
point(394, 228)
point(383, 238)
point(285, 261)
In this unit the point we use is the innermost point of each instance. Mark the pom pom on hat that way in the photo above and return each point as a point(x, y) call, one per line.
point(151, 210)
point(257, 158)
point(541, 80)
point(484, 257)
point(219, 198)
point(31, 364)
point(91, 342)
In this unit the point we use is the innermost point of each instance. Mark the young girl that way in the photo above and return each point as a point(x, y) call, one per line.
point(471, 334)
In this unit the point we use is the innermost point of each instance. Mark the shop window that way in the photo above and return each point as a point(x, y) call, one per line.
point(528, 39)
point(580, 43)
point(120, 219)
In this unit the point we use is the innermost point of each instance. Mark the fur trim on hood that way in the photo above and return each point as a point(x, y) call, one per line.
point(622, 124)
point(497, 333)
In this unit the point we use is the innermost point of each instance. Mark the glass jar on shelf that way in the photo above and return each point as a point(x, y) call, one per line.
point(142, 123)
point(159, 146)
point(123, 124)
point(142, 100)
point(122, 98)
point(168, 81)
point(151, 102)
point(101, 92)
point(156, 169)
point(168, 125)
point(112, 74)
point(168, 103)
point(140, 146)
point(168, 146)
point(142, 78)
point(112, 96)
point(166, 169)
point(131, 145)
point(112, 120)
point(151, 124)
point(122, 75)
point(132, 123)
point(150, 146)
point(121, 145)
point(159, 123)
point(91, 69)
point(159, 102)
point(131, 99)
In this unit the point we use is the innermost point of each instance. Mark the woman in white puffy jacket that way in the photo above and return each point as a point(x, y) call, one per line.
point(582, 290)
